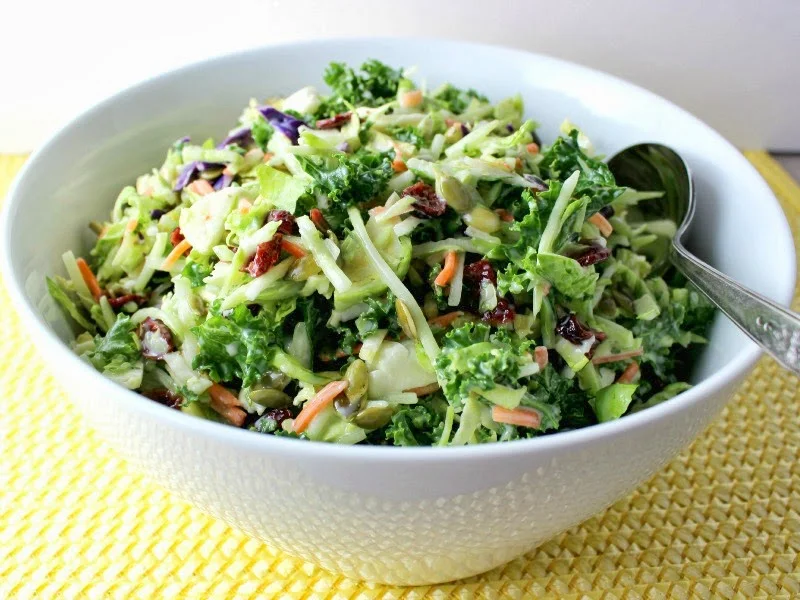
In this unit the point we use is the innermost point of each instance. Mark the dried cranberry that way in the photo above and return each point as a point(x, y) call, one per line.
point(592, 255)
point(501, 314)
point(267, 254)
point(607, 211)
point(286, 219)
point(319, 220)
point(476, 272)
point(156, 339)
point(571, 329)
point(335, 121)
point(165, 397)
point(176, 237)
point(426, 202)
point(272, 420)
point(120, 301)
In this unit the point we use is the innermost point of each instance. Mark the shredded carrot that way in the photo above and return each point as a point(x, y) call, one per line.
point(267, 156)
point(325, 357)
point(602, 224)
point(226, 404)
point(448, 270)
point(522, 416)
point(399, 166)
point(540, 356)
point(504, 215)
point(313, 407)
point(178, 251)
point(630, 372)
point(228, 171)
point(424, 390)
point(319, 220)
point(533, 148)
point(201, 187)
point(89, 278)
point(131, 225)
point(599, 360)
point(410, 99)
point(292, 249)
point(446, 319)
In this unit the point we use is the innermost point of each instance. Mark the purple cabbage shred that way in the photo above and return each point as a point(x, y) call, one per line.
point(537, 182)
point(223, 181)
point(241, 137)
point(286, 124)
point(185, 177)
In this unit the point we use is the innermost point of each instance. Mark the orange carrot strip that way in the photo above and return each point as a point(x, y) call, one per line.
point(522, 416)
point(532, 148)
point(602, 224)
point(201, 187)
point(411, 99)
point(89, 278)
point(131, 225)
point(540, 356)
point(267, 156)
point(448, 270)
point(446, 319)
point(399, 166)
point(629, 373)
point(175, 254)
point(504, 215)
point(313, 407)
point(599, 360)
point(226, 404)
point(292, 249)
point(424, 390)
point(319, 220)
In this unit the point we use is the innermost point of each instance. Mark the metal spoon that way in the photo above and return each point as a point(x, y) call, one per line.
point(657, 167)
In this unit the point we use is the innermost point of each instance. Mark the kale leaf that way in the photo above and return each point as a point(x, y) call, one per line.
point(237, 346)
point(596, 181)
point(415, 425)
point(348, 180)
point(456, 100)
point(374, 84)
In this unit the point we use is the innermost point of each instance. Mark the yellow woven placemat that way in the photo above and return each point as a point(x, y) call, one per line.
point(722, 520)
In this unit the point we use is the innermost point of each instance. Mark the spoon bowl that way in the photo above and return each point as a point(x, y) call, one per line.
point(654, 166)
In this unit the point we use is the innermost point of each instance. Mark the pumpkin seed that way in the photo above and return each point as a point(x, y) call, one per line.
point(405, 319)
point(269, 397)
point(272, 379)
point(375, 414)
point(346, 407)
point(484, 219)
point(429, 307)
point(357, 376)
point(457, 195)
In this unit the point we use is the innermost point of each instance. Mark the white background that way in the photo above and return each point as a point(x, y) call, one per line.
point(733, 63)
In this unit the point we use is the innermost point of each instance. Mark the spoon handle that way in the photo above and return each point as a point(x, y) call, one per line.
point(775, 328)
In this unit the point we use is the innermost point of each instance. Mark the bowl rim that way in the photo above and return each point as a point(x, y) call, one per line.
point(46, 339)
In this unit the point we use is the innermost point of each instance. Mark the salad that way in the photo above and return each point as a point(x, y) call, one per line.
point(387, 264)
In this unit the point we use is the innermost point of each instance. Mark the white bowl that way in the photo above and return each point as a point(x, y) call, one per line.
point(395, 515)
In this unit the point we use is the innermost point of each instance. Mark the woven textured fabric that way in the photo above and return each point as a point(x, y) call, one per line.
point(721, 521)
